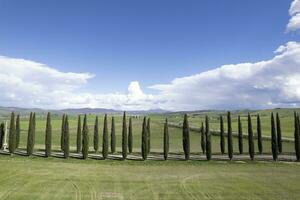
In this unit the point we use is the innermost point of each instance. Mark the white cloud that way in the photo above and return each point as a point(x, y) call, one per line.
point(294, 11)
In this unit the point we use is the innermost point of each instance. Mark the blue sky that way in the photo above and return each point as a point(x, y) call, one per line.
point(152, 42)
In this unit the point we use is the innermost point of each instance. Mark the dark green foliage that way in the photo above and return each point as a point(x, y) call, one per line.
point(229, 136)
point(278, 130)
point(62, 132)
point(166, 140)
point(130, 136)
point(208, 139)
point(186, 137)
point(124, 137)
point(31, 134)
point(240, 135)
point(203, 142)
point(297, 136)
point(274, 139)
point(12, 134)
point(78, 138)
point(250, 138)
point(2, 132)
point(66, 138)
point(113, 136)
point(222, 137)
point(144, 140)
point(85, 138)
point(18, 131)
point(259, 135)
point(105, 139)
point(149, 134)
point(48, 136)
point(96, 134)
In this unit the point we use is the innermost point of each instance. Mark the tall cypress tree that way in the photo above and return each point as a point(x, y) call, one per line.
point(186, 137)
point(144, 140)
point(105, 139)
point(30, 136)
point(113, 136)
point(250, 138)
point(62, 132)
point(66, 138)
point(130, 136)
point(148, 137)
point(12, 134)
point(124, 137)
point(166, 140)
point(274, 139)
point(2, 132)
point(297, 136)
point(240, 135)
point(259, 135)
point(278, 130)
point(18, 131)
point(85, 138)
point(48, 137)
point(96, 134)
point(208, 139)
point(203, 141)
point(222, 137)
point(78, 138)
point(229, 136)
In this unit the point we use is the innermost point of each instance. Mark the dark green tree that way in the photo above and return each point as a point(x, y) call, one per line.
point(96, 135)
point(62, 132)
point(144, 140)
point(186, 137)
point(2, 132)
point(124, 137)
point(12, 134)
point(105, 138)
point(18, 131)
point(274, 139)
point(113, 136)
point(222, 137)
point(130, 136)
point(250, 138)
point(259, 135)
point(48, 137)
point(166, 140)
point(203, 141)
point(229, 136)
point(208, 139)
point(78, 139)
point(240, 135)
point(149, 134)
point(85, 138)
point(297, 136)
point(66, 138)
point(278, 130)
point(30, 136)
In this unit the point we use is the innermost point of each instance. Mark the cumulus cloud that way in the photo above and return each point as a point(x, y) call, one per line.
point(270, 83)
point(294, 11)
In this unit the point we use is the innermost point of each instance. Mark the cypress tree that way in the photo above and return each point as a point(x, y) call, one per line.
point(208, 139)
point(130, 136)
point(12, 134)
point(186, 137)
point(124, 137)
point(18, 131)
point(259, 135)
point(2, 132)
point(222, 137)
point(250, 138)
point(66, 138)
point(105, 139)
point(96, 134)
point(229, 136)
point(85, 138)
point(274, 139)
point(78, 138)
point(166, 140)
point(62, 132)
point(297, 136)
point(148, 137)
point(278, 129)
point(48, 136)
point(240, 135)
point(30, 136)
point(203, 142)
point(113, 136)
point(144, 140)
